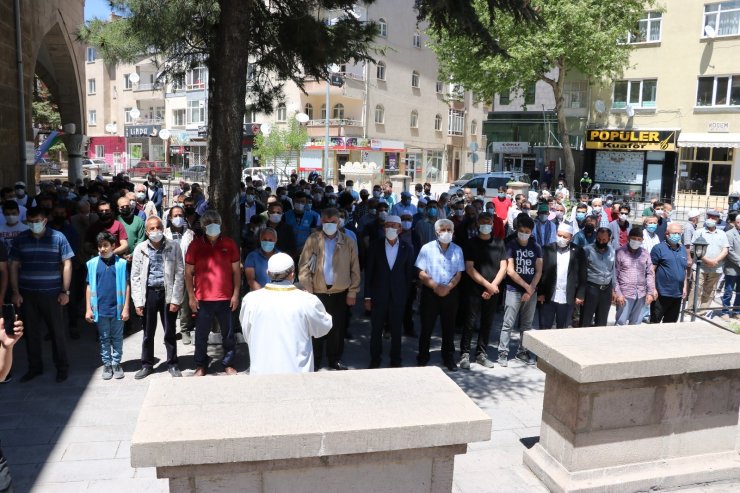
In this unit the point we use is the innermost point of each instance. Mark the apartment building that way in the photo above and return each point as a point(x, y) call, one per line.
point(125, 111)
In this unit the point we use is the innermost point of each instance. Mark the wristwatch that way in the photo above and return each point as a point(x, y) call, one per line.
point(65, 292)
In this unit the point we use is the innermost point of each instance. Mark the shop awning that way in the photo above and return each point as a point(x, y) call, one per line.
point(705, 139)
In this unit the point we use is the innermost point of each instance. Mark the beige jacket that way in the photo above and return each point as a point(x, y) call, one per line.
point(345, 263)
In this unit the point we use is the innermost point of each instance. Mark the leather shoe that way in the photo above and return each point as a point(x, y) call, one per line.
point(200, 372)
point(174, 371)
point(338, 366)
point(62, 376)
point(30, 375)
point(144, 372)
point(451, 366)
point(230, 370)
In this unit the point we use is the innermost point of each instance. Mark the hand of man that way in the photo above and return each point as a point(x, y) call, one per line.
point(541, 298)
point(234, 303)
point(486, 295)
point(493, 289)
point(140, 311)
point(649, 299)
point(174, 308)
point(7, 340)
point(442, 290)
point(709, 262)
point(579, 302)
point(526, 297)
point(194, 306)
point(620, 300)
point(125, 315)
point(368, 305)
point(17, 300)
point(63, 299)
point(351, 299)
point(89, 316)
point(684, 294)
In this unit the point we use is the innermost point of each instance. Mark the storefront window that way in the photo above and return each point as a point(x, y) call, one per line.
point(433, 172)
point(413, 166)
point(720, 179)
point(703, 166)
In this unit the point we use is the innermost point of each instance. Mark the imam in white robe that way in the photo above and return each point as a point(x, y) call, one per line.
point(278, 322)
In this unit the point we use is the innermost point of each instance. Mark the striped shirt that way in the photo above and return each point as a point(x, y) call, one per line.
point(40, 260)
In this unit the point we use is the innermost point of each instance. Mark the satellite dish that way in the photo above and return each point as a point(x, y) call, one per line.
point(709, 31)
point(630, 111)
point(599, 106)
point(134, 77)
point(266, 128)
point(302, 117)
point(110, 128)
point(135, 113)
point(334, 68)
point(164, 134)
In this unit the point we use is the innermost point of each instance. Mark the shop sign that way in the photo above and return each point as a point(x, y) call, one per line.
point(719, 127)
point(510, 147)
point(141, 130)
point(631, 140)
point(356, 143)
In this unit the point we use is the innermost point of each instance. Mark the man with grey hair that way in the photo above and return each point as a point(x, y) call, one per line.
point(441, 264)
point(280, 322)
point(213, 280)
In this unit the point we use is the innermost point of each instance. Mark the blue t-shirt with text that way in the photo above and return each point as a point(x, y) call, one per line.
point(525, 258)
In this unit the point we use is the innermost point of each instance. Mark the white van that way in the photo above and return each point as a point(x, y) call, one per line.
point(491, 182)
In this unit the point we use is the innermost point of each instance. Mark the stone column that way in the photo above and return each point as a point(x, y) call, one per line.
point(75, 144)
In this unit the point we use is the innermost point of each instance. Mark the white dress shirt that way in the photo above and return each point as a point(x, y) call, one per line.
point(561, 283)
point(391, 253)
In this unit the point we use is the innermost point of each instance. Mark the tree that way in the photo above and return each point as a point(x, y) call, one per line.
point(280, 146)
point(572, 36)
point(45, 115)
point(282, 40)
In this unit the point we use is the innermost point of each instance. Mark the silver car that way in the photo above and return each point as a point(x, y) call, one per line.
point(97, 163)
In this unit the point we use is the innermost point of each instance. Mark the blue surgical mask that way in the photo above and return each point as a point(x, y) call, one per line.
point(432, 212)
point(329, 228)
point(267, 246)
point(37, 228)
point(675, 238)
point(502, 196)
point(580, 216)
point(651, 228)
point(213, 229)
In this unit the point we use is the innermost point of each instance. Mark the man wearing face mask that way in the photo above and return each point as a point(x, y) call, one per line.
point(468, 227)
point(563, 283)
point(133, 225)
point(441, 264)
point(178, 232)
point(731, 269)
point(424, 230)
point(82, 220)
point(143, 204)
point(40, 279)
point(587, 235)
point(650, 236)
point(389, 271)
point(213, 281)
point(106, 222)
point(502, 204)
point(286, 241)
point(300, 220)
point(361, 206)
point(154, 193)
point(545, 230)
point(599, 280)
point(75, 310)
point(620, 227)
point(601, 217)
point(255, 264)
point(714, 258)
point(404, 206)
point(670, 263)
point(634, 283)
point(157, 286)
point(250, 207)
point(388, 197)
point(12, 226)
point(421, 211)
point(329, 268)
point(514, 210)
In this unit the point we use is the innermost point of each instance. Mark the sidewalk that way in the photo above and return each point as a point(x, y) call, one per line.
point(74, 437)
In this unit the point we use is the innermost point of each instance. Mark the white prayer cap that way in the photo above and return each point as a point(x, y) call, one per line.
point(565, 228)
point(280, 262)
point(694, 213)
point(393, 219)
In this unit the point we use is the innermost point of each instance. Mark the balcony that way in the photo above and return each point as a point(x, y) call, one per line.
point(338, 127)
point(147, 86)
point(353, 88)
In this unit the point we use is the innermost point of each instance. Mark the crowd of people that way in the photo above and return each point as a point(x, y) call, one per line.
point(126, 256)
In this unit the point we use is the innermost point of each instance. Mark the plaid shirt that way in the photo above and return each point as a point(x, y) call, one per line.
point(440, 266)
point(633, 272)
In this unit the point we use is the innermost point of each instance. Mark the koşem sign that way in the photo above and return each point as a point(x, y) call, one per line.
point(636, 140)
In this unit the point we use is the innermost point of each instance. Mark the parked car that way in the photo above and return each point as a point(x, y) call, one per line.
point(98, 163)
point(464, 179)
point(143, 168)
point(491, 182)
point(49, 167)
point(197, 172)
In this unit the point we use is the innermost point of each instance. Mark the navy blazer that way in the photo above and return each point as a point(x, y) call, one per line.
point(576, 287)
point(383, 284)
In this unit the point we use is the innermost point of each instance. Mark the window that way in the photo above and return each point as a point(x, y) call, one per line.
point(379, 114)
point(178, 118)
point(647, 29)
point(92, 55)
point(196, 78)
point(92, 117)
point(308, 110)
point(382, 27)
point(415, 79)
point(529, 93)
point(91, 87)
point(456, 122)
point(438, 122)
point(473, 127)
point(637, 93)
point(338, 111)
point(323, 112)
point(433, 171)
point(723, 18)
point(439, 87)
point(504, 98)
point(99, 150)
point(414, 120)
point(575, 93)
point(196, 112)
point(417, 39)
point(250, 116)
point(127, 84)
point(380, 71)
point(127, 118)
point(705, 171)
point(718, 91)
point(159, 113)
point(282, 113)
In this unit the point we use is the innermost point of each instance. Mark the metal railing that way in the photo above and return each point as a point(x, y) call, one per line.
point(333, 122)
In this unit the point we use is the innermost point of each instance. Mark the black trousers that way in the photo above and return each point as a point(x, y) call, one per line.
point(156, 307)
point(408, 313)
point(476, 307)
point(388, 312)
point(433, 307)
point(665, 310)
point(39, 311)
point(596, 304)
point(335, 305)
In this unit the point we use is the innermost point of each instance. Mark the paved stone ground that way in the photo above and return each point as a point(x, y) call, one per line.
point(74, 437)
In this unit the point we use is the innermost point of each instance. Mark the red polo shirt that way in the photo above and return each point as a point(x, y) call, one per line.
point(502, 207)
point(213, 276)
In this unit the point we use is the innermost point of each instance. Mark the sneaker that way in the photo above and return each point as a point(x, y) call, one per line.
point(464, 361)
point(107, 372)
point(186, 339)
point(531, 358)
point(483, 360)
point(503, 359)
point(523, 355)
point(117, 372)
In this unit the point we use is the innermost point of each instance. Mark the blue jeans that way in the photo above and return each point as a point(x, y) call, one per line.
point(631, 312)
point(206, 313)
point(732, 283)
point(110, 330)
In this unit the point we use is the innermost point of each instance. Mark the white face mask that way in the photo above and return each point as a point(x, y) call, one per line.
point(156, 236)
point(383, 215)
point(562, 242)
point(329, 228)
point(11, 219)
point(635, 244)
point(178, 221)
point(597, 209)
point(275, 218)
point(710, 223)
point(523, 237)
point(623, 217)
point(485, 229)
point(106, 255)
point(445, 237)
point(391, 233)
point(406, 224)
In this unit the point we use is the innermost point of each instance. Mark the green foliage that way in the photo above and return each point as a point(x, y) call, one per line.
point(45, 114)
point(281, 145)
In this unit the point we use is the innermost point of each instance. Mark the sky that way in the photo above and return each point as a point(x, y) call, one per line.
point(97, 8)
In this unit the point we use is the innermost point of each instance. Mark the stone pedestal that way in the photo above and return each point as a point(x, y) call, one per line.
point(368, 430)
point(638, 407)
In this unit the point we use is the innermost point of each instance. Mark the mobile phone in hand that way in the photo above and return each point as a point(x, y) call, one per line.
point(9, 319)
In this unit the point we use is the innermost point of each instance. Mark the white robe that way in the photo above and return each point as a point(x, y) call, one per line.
point(278, 322)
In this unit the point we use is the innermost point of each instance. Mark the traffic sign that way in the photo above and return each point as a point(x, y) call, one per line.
point(473, 157)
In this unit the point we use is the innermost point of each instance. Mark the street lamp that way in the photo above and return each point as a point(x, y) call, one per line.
point(700, 249)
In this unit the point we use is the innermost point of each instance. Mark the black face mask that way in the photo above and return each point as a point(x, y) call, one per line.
point(58, 219)
point(125, 211)
point(588, 228)
point(601, 246)
point(189, 210)
point(105, 216)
